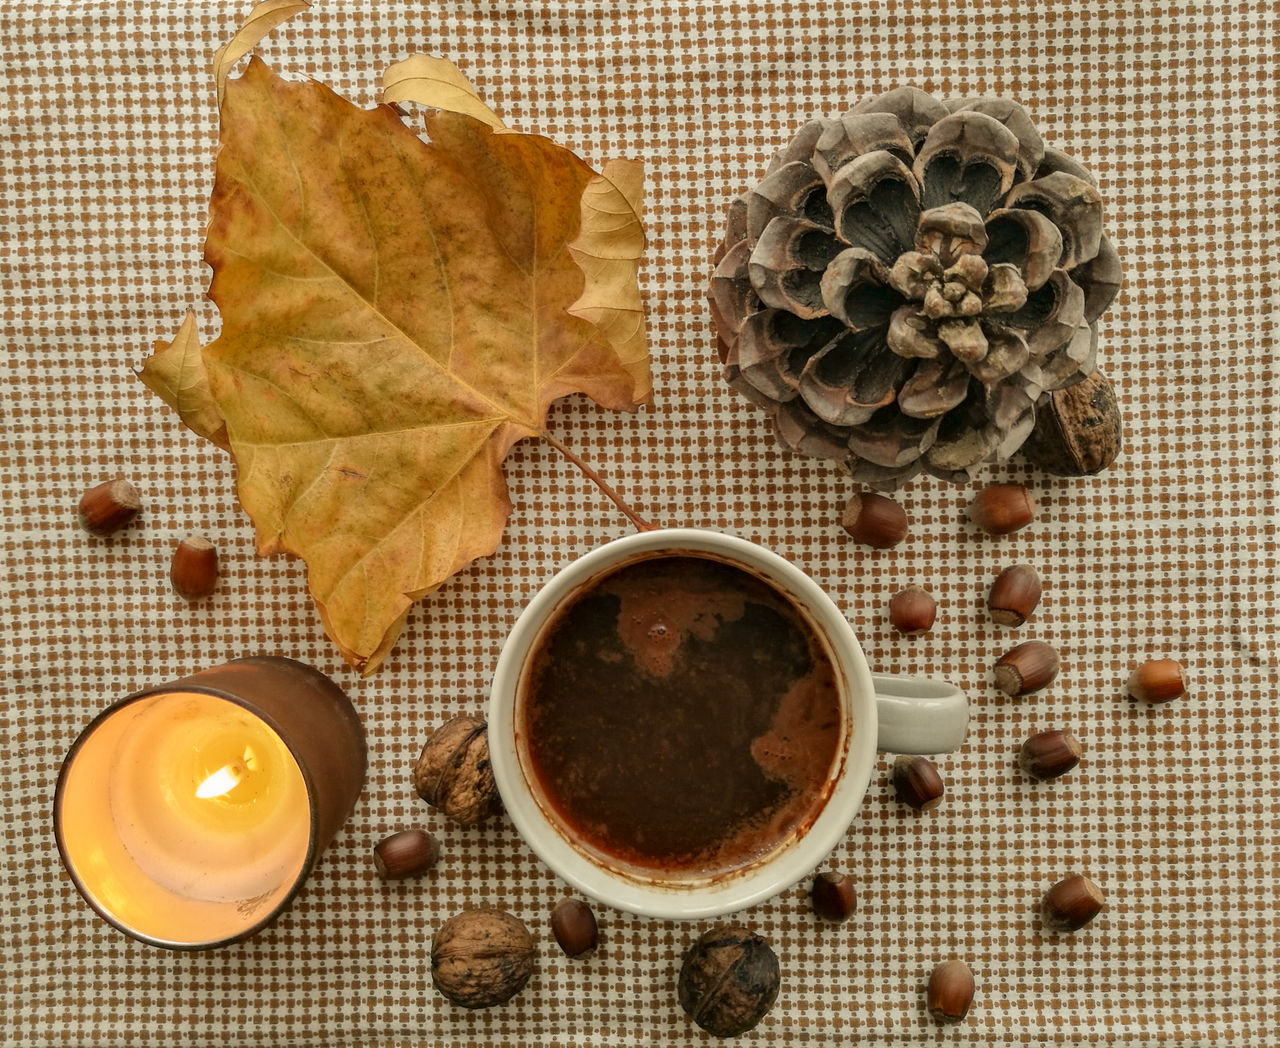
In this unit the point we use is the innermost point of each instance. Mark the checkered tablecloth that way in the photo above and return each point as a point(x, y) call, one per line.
point(106, 164)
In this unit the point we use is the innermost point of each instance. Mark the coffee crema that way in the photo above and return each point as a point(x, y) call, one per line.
point(680, 716)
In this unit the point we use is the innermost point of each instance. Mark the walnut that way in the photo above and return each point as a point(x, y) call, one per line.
point(453, 773)
point(481, 957)
point(729, 980)
point(1078, 429)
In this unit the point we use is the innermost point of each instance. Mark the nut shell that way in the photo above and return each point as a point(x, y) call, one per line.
point(1014, 595)
point(1049, 754)
point(729, 980)
point(916, 782)
point(480, 958)
point(950, 991)
point(453, 773)
point(194, 568)
point(409, 853)
point(1078, 430)
point(1071, 904)
point(108, 507)
point(875, 520)
point(912, 611)
point(1030, 666)
point(574, 925)
point(833, 896)
point(1158, 680)
point(1000, 509)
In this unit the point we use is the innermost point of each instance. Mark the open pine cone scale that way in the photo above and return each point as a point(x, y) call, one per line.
point(908, 280)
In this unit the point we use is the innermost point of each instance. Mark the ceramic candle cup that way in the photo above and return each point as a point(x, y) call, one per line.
point(873, 712)
point(189, 814)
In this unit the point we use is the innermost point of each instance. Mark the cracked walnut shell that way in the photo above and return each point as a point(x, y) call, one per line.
point(453, 772)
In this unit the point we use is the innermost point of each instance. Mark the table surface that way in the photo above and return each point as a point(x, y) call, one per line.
point(109, 136)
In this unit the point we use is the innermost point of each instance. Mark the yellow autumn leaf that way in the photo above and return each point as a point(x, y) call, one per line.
point(175, 372)
point(438, 83)
point(395, 315)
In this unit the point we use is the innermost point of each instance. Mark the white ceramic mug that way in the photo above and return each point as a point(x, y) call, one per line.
point(897, 714)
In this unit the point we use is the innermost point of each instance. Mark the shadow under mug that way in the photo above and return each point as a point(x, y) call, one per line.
point(189, 814)
point(896, 714)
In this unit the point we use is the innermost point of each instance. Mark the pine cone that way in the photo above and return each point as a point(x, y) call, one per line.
point(908, 280)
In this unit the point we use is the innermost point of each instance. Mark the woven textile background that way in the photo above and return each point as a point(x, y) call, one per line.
point(109, 131)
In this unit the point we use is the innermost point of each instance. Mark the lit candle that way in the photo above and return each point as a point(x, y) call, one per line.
point(188, 815)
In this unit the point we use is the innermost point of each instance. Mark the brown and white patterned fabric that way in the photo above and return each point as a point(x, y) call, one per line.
point(109, 133)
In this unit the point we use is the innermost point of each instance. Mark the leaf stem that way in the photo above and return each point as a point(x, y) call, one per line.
point(639, 522)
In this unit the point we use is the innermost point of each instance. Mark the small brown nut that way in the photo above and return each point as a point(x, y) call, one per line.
point(194, 568)
point(729, 980)
point(409, 853)
point(453, 772)
point(481, 957)
point(1071, 904)
point(999, 509)
point(950, 991)
point(912, 611)
point(108, 507)
point(875, 520)
point(1078, 430)
point(1050, 754)
point(916, 782)
point(1029, 667)
point(1158, 680)
point(574, 926)
point(1014, 595)
point(833, 897)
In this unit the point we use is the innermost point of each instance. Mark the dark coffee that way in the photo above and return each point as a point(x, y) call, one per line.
point(680, 715)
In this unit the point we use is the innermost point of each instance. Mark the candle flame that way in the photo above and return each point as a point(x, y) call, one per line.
point(222, 781)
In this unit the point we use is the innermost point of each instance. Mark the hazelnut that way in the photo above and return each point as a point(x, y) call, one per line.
point(1078, 429)
point(1071, 904)
point(729, 980)
point(950, 991)
point(1014, 595)
point(481, 957)
point(1158, 680)
point(194, 568)
point(875, 520)
point(453, 772)
point(1029, 667)
point(916, 782)
point(1050, 754)
point(108, 507)
point(574, 926)
point(999, 509)
point(912, 611)
point(833, 897)
point(409, 853)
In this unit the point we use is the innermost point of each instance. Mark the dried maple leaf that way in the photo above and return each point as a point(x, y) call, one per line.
point(396, 314)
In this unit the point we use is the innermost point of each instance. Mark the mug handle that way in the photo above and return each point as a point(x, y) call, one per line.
point(918, 715)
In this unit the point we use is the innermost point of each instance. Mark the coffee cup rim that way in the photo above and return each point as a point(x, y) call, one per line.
point(794, 859)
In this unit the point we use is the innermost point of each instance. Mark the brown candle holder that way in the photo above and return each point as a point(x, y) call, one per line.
point(189, 814)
